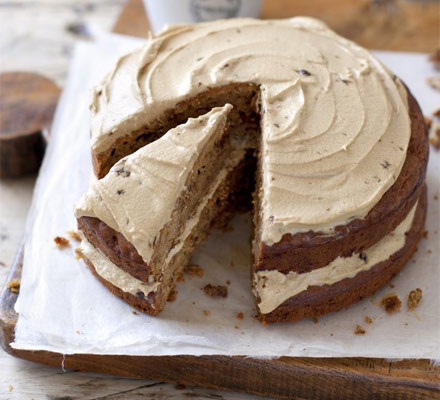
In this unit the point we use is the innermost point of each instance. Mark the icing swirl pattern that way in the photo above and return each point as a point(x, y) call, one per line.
point(334, 121)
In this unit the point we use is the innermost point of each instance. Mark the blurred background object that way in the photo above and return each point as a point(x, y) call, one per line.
point(27, 103)
point(191, 11)
point(39, 36)
point(405, 25)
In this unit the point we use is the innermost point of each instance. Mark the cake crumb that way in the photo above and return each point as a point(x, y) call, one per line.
point(392, 286)
point(216, 291)
point(240, 315)
point(236, 327)
point(425, 234)
point(315, 320)
point(434, 57)
point(193, 270)
point(433, 127)
point(359, 330)
point(428, 122)
point(368, 320)
point(10, 387)
point(173, 295)
point(331, 334)
point(227, 228)
point(207, 313)
point(134, 313)
point(74, 235)
point(78, 253)
point(180, 277)
point(414, 298)
point(391, 303)
point(434, 82)
point(228, 282)
point(180, 386)
point(61, 242)
point(13, 285)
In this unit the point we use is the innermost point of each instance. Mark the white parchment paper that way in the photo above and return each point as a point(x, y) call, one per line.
point(63, 308)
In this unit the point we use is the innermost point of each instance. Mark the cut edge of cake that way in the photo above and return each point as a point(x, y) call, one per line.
point(182, 235)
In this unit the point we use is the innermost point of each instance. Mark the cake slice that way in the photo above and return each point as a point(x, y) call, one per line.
point(140, 224)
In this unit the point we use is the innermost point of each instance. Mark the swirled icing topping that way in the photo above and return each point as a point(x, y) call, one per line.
point(139, 194)
point(334, 121)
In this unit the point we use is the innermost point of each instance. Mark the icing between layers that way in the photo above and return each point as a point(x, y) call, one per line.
point(112, 273)
point(273, 287)
point(126, 282)
point(335, 124)
point(138, 195)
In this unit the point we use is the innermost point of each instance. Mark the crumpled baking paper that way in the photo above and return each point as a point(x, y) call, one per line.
point(63, 308)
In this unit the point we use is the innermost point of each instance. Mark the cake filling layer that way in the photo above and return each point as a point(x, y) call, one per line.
point(334, 120)
point(273, 287)
point(129, 284)
point(112, 273)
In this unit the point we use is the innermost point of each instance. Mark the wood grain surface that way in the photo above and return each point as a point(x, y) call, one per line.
point(381, 24)
point(27, 104)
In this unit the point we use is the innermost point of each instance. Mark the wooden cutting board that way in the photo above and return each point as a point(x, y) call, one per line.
point(287, 377)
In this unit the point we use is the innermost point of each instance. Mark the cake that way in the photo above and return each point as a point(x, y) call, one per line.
point(140, 223)
point(334, 143)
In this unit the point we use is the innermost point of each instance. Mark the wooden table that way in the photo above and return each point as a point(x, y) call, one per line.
point(410, 26)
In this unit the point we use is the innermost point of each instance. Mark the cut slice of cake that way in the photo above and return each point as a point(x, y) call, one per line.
point(141, 222)
point(340, 147)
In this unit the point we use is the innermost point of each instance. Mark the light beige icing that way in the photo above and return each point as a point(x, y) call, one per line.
point(138, 195)
point(273, 287)
point(126, 282)
point(112, 273)
point(335, 123)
